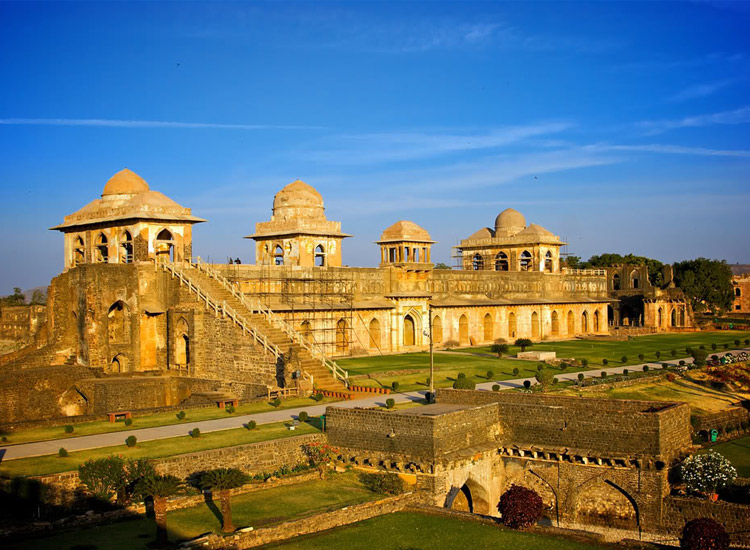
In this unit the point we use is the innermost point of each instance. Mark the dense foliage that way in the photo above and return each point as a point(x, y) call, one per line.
point(107, 477)
point(386, 484)
point(545, 377)
point(464, 384)
point(707, 473)
point(655, 267)
point(704, 534)
point(520, 507)
point(707, 283)
point(524, 343)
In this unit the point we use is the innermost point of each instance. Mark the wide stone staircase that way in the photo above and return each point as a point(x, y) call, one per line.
point(268, 329)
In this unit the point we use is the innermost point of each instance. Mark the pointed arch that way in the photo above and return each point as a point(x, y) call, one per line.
point(555, 329)
point(571, 323)
point(342, 336)
point(477, 262)
point(409, 330)
point(489, 327)
point(463, 330)
point(616, 283)
point(182, 343)
point(548, 263)
point(119, 363)
point(635, 280)
point(118, 322)
point(164, 246)
point(526, 262)
point(535, 325)
point(278, 255)
point(126, 247)
point(374, 331)
point(511, 325)
point(320, 256)
point(102, 249)
point(596, 320)
point(437, 330)
point(585, 322)
point(79, 251)
point(673, 318)
point(501, 262)
point(659, 317)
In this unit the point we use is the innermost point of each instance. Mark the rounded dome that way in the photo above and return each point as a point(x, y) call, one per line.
point(509, 221)
point(405, 231)
point(125, 182)
point(298, 200)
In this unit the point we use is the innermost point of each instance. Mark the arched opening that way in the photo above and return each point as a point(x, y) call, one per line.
point(126, 245)
point(604, 503)
point(488, 327)
point(737, 292)
point(305, 329)
point(470, 497)
point(119, 363)
point(571, 323)
point(182, 343)
point(102, 249)
point(659, 320)
point(374, 331)
point(616, 281)
point(535, 325)
point(278, 255)
point(164, 246)
point(585, 322)
point(501, 262)
point(320, 256)
point(525, 261)
point(548, 262)
point(610, 315)
point(79, 253)
point(463, 330)
point(408, 330)
point(437, 329)
point(511, 325)
point(117, 322)
point(635, 281)
point(674, 318)
point(555, 329)
point(682, 317)
point(342, 336)
point(477, 263)
point(596, 321)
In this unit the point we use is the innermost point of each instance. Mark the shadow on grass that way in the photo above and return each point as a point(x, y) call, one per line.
point(209, 500)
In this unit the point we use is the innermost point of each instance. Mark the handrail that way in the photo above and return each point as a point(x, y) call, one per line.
point(256, 306)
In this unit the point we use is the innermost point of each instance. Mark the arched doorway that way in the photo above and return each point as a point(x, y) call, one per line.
point(555, 329)
point(463, 330)
point(535, 325)
point(408, 330)
point(604, 503)
point(548, 262)
point(610, 315)
point(674, 317)
point(119, 363)
point(470, 497)
point(659, 318)
point(102, 249)
point(477, 263)
point(79, 253)
point(342, 336)
point(616, 284)
point(511, 325)
point(117, 322)
point(488, 327)
point(635, 281)
point(585, 322)
point(571, 323)
point(182, 344)
point(320, 256)
point(126, 246)
point(437, 329)
point(278, 255)
point(374, 330)
point(596, 321)
point(164, 246)
point(526, 263)
point(501, 262)
point(682, 317)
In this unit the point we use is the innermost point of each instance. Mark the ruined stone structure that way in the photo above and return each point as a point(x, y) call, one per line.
point(741, 288)
point(20, 323)
point(606, 471)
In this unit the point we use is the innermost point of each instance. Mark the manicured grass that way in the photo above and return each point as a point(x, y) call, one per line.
point(159, 448)
point(257, 509)
point(738, 453)
point(159, 419)
point(414, 531)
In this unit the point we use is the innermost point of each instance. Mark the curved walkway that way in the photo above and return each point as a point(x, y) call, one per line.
point(26, 450)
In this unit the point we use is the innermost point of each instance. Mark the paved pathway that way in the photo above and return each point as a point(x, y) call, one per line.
point(26, 450)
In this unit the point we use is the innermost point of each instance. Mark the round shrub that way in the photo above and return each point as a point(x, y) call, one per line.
point(128, 421)
point(747, 341)
point(714, 346)
point(564, 366)
point(673, 353)
point(131, 441)
point(671, 377)
point(390, 403)
point(181, 415)
point(303, 416)
point(641, 356)
point(277, 402)
point(603, 374)
point(195, 433)
point(68, 429)
point(62, 453)
point(251, 424)
point(463, 384)
point(688, 350)
point(726, 346)
point(490, 375)
point(585, 363)
point(682, 362)
point(230, 409)
point(715, 357)
point(527, 384)
point(605, 362)
point(701, 347)
point(707, 473)
point(658, 354)
point(625, 372)
point(495, 387)
point(540, 367)
point(736, 342)
point(624, 359)
point(580, 377)
point(4, 439)
point(394, 386)
point(645, 368)
point(699, 358)
point(520, 507)
point(461, 375)
point(704, 534)
point(516, 372)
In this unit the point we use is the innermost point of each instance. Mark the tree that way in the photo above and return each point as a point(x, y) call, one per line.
point(520, 507)
point(441, 265)
point(113, 476)
point(38, 297)
point(704, 534)
point(159, 488)
point(222, 480)
point(545, 377)
point(655, 267)
point(707, 283)
point(15, 299)
point(524, 343)
point(499, 349)
point(573, 262)
point(707, 473)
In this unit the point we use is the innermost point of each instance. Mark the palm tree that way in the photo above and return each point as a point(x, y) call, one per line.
point(159, 488)
point(222, 480)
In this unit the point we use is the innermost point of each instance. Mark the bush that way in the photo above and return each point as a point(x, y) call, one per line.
point(605, 362)
point(384, 484)
point(673, 352)
point(682, 363)
point(604, 374)
point(303, 416)
point(689, 350)
point(490, 375)
point(4, 439)
point(747, 341)
point(645, 368)
point(707, 473)
point(499, 349)
point(394, 386)
point(704, 534)
point(545, 378)
point(450, 344)
point(585, 363)
point(62, 453)
point(699, 358)
point(624, 359)
point(68, 429)
point(641, 357)
point(726, 346)
point(318, 397)
point(524, 343)
point(564, 366)
point(461, 375)
point(736, 342)
point(671, 377)
point(516, 371)
point(520, 507)
point(181, 415)
point(714, 346)
point(625, 372)
point(527, 384)
point(390, 403)
point(463, 384)
point(251, 424)
point(130, 441)
point(277, 402)
point(229, 409)
point(195, 433)
point(540, 367)
point(128, 421)
point(580, 377)
point(715, 357)
point(658, 354)
point(701, 347)
point(665, 365)
point(495, 387)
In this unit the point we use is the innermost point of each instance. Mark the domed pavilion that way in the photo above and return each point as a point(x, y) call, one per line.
point(405, 242)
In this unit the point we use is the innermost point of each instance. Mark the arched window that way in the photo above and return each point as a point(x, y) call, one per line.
point(616, 281)
point(488, 327)
point(437, 330)
point(102, 249)
point(548, 262)
point(119, 363)
point(535, 325)
point(126, 244)
point(182, 347)
point(635, 281)
point(682, 317)
point(79, 254)
point(659, 320)
point(408, 331)
point(463, 330)
point(674, 317)
point(342, 336)
point(117, 323)
point(571, 323)
point(525, 263)
point(164, 246)
point(278, 255)
point(737, 292)
point(477, 263)
point(374, 330)
point(320, 256)
point(501, 262)
point(511, 325)
point(555, 324)
point(585, 322)
point(596, 321)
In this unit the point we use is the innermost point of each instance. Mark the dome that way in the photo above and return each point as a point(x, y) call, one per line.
point(298, 200)
point(484, 233)
point(125, 182)
point(405, 231)
point(509, 222)
point(536, 230)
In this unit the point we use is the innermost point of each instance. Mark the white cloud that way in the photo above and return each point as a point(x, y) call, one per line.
point(700, 90)
point(673, 149)
point(737, 116)
point(116, 123)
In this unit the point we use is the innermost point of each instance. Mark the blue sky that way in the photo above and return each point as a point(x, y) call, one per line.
point(622, 127)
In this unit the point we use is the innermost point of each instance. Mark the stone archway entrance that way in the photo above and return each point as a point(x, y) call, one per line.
point(470, 497)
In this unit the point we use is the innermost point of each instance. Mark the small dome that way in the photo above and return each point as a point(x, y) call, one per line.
point(298, 200)
point(125, 182)
point(538, 230)
point(509, 222)
point(405, 231)
point(484, 233)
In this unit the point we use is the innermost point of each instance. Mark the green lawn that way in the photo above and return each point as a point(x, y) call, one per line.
point(152, 420)
point(738, 453)
point(256, 509)
point(414, 531)
point(159, 448)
